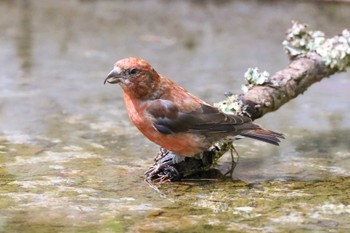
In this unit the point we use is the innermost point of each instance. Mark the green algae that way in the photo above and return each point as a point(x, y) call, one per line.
point(78, 189)
point(258, 207)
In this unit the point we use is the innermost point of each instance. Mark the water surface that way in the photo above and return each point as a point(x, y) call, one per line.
point(71, 161)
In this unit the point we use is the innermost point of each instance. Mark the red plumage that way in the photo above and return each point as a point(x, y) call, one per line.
point(173, 118)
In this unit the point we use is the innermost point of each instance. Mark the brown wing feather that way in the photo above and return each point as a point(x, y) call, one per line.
point(204, 119)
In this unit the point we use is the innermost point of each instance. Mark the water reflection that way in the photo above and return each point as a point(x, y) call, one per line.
point(24, 41)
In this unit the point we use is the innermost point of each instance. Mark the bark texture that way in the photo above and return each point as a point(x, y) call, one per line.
point(285, 85)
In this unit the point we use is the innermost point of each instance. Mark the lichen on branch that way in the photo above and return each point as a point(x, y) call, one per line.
point(335, 52)
point(313, 57)
point(233, 104)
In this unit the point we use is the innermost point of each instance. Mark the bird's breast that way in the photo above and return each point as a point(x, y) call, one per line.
point(183, 144)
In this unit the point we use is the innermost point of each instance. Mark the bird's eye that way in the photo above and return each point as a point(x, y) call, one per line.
point(133, 71)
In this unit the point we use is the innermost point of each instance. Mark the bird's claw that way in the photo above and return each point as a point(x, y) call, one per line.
point(168, 174)
point(162, 171)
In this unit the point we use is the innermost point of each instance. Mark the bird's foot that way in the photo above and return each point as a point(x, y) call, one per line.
point(167, 174)
point(163, 170)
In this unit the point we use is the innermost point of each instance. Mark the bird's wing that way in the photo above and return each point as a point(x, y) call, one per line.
point(168, 119)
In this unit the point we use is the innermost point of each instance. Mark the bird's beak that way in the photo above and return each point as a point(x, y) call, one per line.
point(113, 76)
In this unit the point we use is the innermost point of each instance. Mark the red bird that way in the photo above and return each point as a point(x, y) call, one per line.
point(173, 118)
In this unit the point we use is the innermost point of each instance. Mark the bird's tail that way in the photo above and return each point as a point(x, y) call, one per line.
point(264, 135)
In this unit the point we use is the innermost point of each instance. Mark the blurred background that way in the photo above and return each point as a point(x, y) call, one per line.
point(70, 160)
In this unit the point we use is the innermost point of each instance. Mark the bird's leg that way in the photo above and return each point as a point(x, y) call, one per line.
point(162, 153)
point(233, 152)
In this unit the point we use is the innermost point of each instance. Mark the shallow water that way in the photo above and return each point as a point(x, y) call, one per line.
point(70, 160)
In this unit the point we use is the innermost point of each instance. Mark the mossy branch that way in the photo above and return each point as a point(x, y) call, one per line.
point(312, 58)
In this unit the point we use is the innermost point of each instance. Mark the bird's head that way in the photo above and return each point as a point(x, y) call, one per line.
point(135, 76)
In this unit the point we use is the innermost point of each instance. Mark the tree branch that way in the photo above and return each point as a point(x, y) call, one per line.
point(313, 57)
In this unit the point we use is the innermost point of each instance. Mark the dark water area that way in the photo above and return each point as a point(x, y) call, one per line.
point(71, 161)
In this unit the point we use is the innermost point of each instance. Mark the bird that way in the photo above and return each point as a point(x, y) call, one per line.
point(173, 118)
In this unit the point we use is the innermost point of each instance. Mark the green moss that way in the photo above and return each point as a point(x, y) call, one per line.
point(115, 225)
